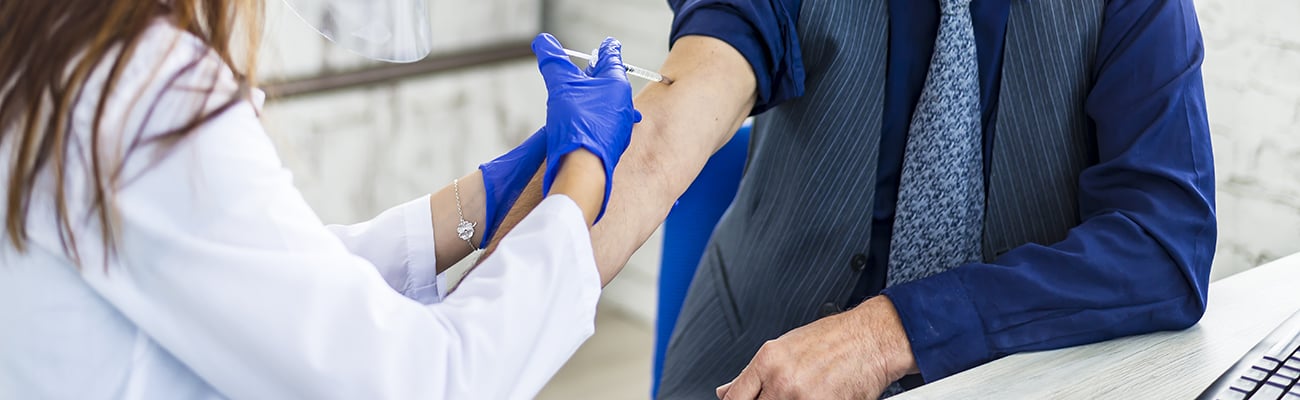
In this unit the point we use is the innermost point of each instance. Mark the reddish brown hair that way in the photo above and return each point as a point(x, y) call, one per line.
point(48, 49)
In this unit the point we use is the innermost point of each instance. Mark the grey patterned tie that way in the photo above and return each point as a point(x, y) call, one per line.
point(940, 214)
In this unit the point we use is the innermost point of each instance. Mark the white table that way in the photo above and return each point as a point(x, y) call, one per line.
point(1165, 365)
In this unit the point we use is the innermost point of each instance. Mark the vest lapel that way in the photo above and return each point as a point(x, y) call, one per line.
point(1043, 138)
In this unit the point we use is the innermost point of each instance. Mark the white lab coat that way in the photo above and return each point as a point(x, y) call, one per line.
point(226, 284)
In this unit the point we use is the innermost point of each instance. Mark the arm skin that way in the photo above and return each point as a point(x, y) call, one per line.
point(684, 123)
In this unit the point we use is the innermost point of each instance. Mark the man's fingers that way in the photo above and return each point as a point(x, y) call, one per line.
point(721, 391)
point(746, 386)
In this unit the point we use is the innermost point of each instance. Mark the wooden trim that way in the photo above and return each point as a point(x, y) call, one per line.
point(388, 72)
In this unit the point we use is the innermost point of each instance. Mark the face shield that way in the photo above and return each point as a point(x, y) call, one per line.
point(385, 30)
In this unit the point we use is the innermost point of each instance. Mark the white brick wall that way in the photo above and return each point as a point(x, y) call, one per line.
point(358, 151)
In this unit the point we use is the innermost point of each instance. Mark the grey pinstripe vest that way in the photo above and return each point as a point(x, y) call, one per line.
point(805, 203)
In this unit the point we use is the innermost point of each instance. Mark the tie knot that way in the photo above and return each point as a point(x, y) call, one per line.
point(954, 6)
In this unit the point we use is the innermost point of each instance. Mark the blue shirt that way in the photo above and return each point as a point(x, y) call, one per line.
point(1139, 261)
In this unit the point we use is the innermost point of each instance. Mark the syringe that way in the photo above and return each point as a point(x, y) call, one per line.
point(631, 69)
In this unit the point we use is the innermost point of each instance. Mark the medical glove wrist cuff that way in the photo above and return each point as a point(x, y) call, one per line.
point(555, 161)
point(505, 178)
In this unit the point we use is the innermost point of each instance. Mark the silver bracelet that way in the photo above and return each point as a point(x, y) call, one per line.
point(464, 229)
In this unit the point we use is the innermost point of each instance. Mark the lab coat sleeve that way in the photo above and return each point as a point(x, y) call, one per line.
point(399, 243)
point(224, 265)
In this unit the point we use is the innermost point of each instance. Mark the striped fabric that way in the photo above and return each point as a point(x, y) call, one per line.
point(780, 257)
point(1043, 138)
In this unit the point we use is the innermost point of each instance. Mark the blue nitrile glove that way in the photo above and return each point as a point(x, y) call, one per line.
point(505, 177)
point(590, 109)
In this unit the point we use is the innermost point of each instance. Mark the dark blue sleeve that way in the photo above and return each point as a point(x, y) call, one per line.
point(1140, 260)
point(763, 31)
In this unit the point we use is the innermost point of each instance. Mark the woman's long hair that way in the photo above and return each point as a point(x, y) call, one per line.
point(48, 49)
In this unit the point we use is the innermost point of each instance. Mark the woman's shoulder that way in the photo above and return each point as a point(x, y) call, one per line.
point(169, 76)
point(165, 50)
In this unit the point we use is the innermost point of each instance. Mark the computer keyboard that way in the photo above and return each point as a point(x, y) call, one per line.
point(1271, 370)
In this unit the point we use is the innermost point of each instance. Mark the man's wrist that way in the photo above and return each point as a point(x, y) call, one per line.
point(888, 336)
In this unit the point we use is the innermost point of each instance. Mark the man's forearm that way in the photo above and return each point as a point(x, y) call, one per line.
point(684, 123)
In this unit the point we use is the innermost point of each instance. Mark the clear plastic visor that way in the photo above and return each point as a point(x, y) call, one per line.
point(385, 30)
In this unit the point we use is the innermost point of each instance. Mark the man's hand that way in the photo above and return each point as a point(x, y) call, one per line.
point(852, 355)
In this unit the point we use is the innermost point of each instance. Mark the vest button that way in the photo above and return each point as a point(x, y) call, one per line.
point(829, 309)
point(858, 262)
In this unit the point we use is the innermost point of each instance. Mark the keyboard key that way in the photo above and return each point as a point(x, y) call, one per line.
point(1292, 364)
point(1278, 381)
point(1255, 375)
point(1231, 395)
point(1268, 363)
point(1242, 386)
point(1268, 392)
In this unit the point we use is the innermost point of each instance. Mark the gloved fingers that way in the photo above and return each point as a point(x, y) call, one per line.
point(552, 62)
point(609, 64)
point(609, 60)
point(590, 68)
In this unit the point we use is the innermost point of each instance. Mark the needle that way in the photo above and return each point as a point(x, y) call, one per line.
point(631, 69)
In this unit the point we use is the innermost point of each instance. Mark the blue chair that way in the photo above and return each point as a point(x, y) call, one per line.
point(687, 230)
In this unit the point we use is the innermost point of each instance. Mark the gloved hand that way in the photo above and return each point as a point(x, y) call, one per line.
point(589, 109)
point(505, 177)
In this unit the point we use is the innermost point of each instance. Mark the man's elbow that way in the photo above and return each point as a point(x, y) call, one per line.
point(1186, 314)
point(1187, 306)
point(1191, 256)
point(1197, 276)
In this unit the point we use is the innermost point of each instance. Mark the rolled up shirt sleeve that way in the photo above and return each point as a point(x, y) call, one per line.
point(399, 242)
point(762, 31)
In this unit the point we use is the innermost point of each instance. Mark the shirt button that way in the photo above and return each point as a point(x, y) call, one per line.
point(829, 309)
point(859, 262)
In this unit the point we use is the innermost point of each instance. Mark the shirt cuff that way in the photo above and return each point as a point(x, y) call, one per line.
point(942, 324)
point(423, 282)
